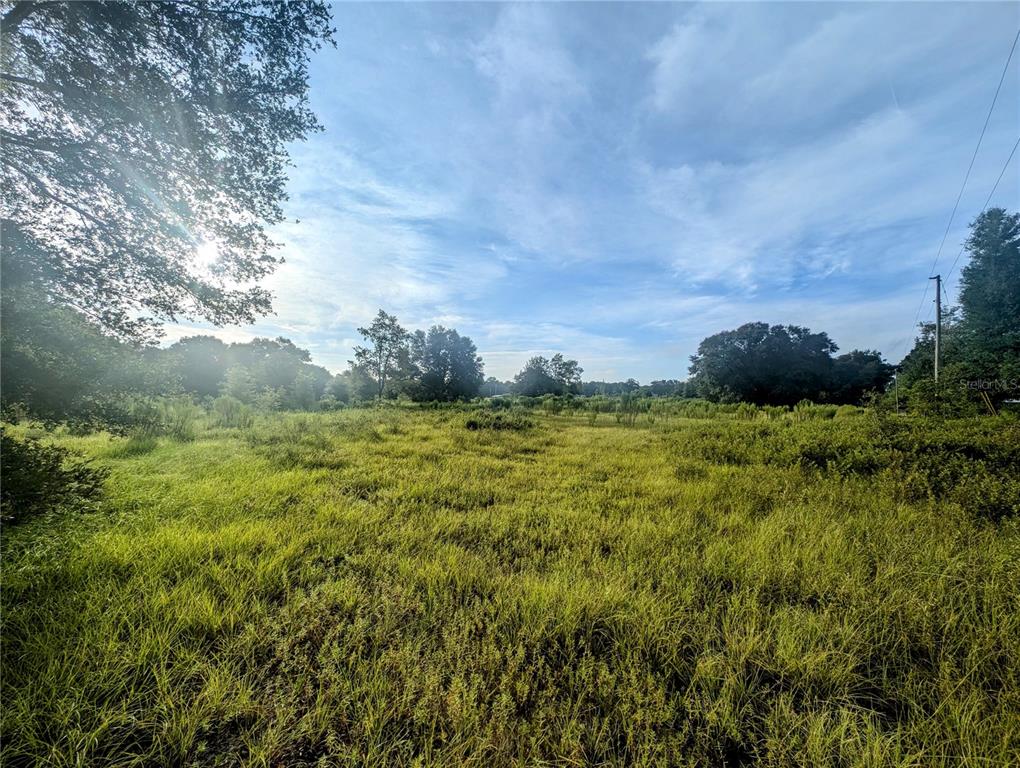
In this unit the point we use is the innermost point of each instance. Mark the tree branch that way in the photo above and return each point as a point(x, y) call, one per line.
point(21, 11)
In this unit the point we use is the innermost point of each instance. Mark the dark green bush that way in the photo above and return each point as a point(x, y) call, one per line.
point(37, 478)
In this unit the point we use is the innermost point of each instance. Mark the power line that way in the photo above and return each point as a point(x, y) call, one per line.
point(966, 177)
point(973, 157)
point(989, 198)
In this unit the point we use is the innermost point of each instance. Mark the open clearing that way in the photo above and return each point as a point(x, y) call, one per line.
point(389, 587)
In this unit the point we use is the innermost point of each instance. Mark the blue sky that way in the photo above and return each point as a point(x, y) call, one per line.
point(616, 182)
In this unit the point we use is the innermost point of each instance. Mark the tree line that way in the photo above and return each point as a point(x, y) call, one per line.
point(58, 365)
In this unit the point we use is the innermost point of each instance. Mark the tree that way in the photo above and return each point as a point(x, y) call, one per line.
point(200, 363)
point(610, 388)
point(567, 373)
point(305, 392)
point(763, 364)
point(535, 378)
point(339, 388)
point(856, 374)
point(272, 363)
point(541, 376)
point(238, 384)
point(494, 387)
point(360, 385)
point(381, 361)
point(990, 300)
point(138, 136)
point(58, 367)
point(665, 388)
point(980, 347)
point(447, 365)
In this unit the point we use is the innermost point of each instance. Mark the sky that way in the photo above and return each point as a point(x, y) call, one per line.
point(616, 182)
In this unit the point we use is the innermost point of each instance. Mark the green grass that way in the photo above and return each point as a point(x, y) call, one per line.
point(394, 588)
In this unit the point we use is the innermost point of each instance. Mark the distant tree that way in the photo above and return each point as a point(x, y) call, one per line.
point(494, 387)
point(567, 373)
point(763, 364)
point(272, 363)
point(339, 388)
point(541, 376)
point(304, 392)
point(239, 384)
point(446, 364)
point(360, 384)
point(535, 378)
point(382, 360)
point(665, 387)
point(200, 363)
point(856, 374)
point(136, 135)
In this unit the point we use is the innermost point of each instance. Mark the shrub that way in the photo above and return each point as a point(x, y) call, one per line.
point(39, 478)
point(174, 417)
point(232, 413)
point(179, 415)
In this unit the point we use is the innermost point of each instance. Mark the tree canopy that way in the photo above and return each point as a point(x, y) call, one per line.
point(542, 376)
point(438, 364)
point(990, 297)
point(387, 352)
point(446, 365)
point(204, 366)
point(782, 365)
point(981, 337)
point(139, 138)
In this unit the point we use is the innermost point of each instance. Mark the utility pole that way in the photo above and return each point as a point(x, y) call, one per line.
point(938, 322)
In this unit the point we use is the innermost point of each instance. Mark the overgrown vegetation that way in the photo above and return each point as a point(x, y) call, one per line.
point(39, 478)
point(385, 587)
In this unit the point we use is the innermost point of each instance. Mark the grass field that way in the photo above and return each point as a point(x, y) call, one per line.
point(391, 587)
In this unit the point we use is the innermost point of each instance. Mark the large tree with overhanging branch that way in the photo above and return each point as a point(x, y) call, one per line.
point(144, 152)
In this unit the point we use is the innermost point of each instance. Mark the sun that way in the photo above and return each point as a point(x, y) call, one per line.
point(206, 254)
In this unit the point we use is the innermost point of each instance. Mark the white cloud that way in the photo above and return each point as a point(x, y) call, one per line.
point(793, 212)
point(524, 56)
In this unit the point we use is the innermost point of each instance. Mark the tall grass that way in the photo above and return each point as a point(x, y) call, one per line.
point(394, 588)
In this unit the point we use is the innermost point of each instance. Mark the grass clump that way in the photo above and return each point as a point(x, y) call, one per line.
point(135, 444)
point(498, 421)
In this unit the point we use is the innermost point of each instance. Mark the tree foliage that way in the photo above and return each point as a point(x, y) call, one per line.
point(42, 478)
point(542, 376)
point(980, 347)
point(434, 365)
point(386, 354)
point(782, 365)
point(990, 297)
point(136, 135)
point(57, 366)
point(446, 365)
